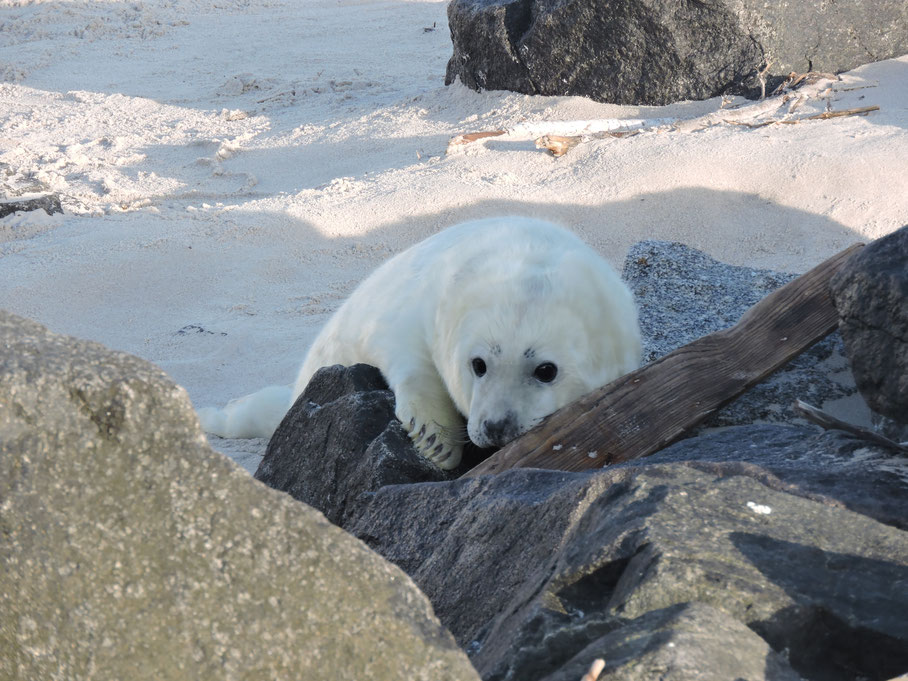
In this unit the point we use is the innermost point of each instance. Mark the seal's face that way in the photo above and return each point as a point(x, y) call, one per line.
point(515, 380)
point(526, 328)
point(512, 394)
point(520, 364)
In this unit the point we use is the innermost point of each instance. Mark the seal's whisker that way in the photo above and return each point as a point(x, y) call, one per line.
point(454, 434)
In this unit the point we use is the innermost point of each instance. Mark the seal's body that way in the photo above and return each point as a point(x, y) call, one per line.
point(501, 321)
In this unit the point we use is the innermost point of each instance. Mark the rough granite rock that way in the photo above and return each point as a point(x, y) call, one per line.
point(683, 294)
point(130, 550)
point(640, 52)
point(539, 572)
point(341, 440)
point(871, 295)
point(680, 643)
point(829, 465)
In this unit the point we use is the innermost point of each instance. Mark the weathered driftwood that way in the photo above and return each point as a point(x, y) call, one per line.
point(559, 145)
point(830, 422)
point(584, 128)
point(642, 412)
point(860, 111)
point(461, 140)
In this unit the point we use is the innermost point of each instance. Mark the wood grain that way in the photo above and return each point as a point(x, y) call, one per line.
point(642, 412)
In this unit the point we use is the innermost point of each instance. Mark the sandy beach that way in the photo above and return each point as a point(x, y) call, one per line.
point(231, 170)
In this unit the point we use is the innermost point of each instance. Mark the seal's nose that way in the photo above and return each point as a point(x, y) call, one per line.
point(499, 433)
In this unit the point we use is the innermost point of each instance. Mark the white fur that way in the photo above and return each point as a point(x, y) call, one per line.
point(514, 292)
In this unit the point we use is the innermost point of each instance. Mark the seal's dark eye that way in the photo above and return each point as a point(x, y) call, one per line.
point(546, 372)
point(479, 366)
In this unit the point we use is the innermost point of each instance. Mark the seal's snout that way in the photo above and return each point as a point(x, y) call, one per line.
point(499, 433)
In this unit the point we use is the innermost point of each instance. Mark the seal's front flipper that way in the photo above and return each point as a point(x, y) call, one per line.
point(431, 419)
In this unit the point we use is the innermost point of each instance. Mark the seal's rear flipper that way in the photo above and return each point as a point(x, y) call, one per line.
point(255, 415)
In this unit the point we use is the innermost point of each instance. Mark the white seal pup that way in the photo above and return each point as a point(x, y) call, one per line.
point(502, 321)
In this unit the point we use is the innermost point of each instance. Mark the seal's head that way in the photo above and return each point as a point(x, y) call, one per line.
point(535, 337)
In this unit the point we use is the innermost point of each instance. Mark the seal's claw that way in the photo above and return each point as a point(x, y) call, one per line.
point(434, 448)
point(444, 456)
point(431, 431)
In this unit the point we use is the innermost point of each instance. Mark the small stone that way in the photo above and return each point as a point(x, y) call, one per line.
point(50, 204)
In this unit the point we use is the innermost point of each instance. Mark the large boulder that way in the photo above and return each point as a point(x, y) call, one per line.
point(130, 550)
point(871, 295)
point(644, 52)
point(340, 441)
point(652, 567)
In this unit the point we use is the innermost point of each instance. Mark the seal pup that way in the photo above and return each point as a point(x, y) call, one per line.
point(496, 323)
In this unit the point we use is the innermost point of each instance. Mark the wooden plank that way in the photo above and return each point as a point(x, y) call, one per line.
point(642, 412)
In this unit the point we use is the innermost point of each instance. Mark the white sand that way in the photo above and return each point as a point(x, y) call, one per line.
point(238, 166)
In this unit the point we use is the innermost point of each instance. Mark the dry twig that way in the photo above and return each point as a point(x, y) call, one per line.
point(595, 670)
point(813, 117)
point(762, 76)
point(559, 145)
point(830, 422)
point(795, 80)
point(597, 128)
point(860, 111)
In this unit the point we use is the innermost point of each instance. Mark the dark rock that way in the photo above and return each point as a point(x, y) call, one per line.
point(683, 294)
point(50, 204)
point(340, 440)
point(871, 295)
point(634, 52)
point(128, 549)
point(831, 466)
point(538, 572)
point(678, 643)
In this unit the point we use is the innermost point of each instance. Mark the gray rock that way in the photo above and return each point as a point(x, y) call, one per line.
point(636, 52)
point(871, 295)
point(679, 643)
point(341, 441)
point(538, 572)
point(50, 204)
point(683, 294)
point(130, 550)
point(831, 466)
